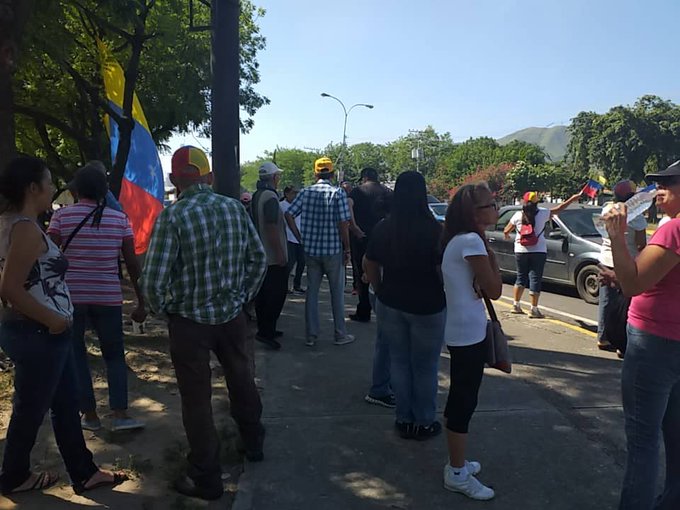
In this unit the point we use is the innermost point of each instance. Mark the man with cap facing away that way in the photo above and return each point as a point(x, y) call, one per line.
point(270, 224)
point(205, 261)
point(325, 226)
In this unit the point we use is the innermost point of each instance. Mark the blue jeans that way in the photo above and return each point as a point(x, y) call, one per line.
point(107, 321)
point(381, 362)
point(334, 268)
point(415, 344)
point(44, 378)
point(530, 270)
point(650, 384)
point(602, 304)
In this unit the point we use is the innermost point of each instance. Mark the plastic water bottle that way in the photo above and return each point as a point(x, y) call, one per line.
point(636, 205)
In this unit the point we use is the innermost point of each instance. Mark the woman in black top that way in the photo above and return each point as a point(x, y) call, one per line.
point(405, 248)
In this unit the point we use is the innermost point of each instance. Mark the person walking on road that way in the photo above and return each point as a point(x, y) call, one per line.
point(402, 264)
point(296, 252)
point(269, 222)
point(636, 240)
point(35, 332)
point(325, 237)
point(205, 261)
point(650, 379)
point(366, 206)
point(531, 249)
point(470, 271)
point(92, 236)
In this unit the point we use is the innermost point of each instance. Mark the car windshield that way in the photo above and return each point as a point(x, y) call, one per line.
point(439, 209)
point(580, 221)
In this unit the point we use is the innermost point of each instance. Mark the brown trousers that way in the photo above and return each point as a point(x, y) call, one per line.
point(190, 347)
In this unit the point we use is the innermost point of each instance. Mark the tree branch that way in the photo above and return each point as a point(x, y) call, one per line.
point(40, 126)
point(103, 23)
point(46, 118)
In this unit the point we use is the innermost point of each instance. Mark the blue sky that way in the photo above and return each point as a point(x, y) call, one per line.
point(470, 67)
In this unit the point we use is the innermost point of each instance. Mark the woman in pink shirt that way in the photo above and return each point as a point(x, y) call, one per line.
point(651, 369)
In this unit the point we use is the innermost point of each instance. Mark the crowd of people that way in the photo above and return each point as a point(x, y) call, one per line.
point(211, 257)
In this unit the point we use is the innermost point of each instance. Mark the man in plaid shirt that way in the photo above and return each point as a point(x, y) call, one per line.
point(325, 226)
point(205, 261)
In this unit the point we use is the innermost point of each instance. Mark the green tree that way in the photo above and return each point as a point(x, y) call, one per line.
point(60, 102)
point(434, 146)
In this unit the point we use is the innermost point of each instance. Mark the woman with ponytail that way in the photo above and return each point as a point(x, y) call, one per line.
point(35, 332)
point(92, 236)
point(531, 249)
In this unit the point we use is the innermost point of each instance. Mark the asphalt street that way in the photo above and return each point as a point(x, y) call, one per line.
point(560, 301)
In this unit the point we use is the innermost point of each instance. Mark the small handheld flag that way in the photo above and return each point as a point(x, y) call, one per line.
point(592, 188)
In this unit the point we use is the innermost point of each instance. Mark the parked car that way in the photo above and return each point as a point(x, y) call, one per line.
point(573, 248)
point(438, 210)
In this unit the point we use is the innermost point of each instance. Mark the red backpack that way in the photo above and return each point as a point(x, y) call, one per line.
point(528, 236)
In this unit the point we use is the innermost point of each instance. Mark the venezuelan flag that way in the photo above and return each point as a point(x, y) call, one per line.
point(143, 189)
point(592, 188)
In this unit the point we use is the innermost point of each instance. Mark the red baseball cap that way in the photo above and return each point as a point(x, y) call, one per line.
point(189, 161)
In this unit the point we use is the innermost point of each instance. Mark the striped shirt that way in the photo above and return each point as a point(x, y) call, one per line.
point(205, 259)
point(322, 206)
point(93, 254)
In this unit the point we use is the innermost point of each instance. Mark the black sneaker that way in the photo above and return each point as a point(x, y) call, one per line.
point(358, 318)
point(269, 342)
point(405, 430)
point(388, 401)
point(423, 433)
point(299, 291)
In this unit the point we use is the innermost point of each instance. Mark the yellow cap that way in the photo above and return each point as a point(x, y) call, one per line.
point(323, 165)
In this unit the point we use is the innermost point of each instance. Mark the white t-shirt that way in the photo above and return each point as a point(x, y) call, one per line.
point(465, 312)
point(289, 233)
point(664, 220)
point(637, 224)
point(542, 217)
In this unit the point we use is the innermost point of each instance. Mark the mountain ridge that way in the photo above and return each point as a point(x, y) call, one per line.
point(554, 140)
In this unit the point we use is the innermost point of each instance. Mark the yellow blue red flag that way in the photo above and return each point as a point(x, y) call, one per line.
point(143, 189)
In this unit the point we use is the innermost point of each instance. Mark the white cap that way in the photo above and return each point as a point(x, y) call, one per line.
point(269, 168)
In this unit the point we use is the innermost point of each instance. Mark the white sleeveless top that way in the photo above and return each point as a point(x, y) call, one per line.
point(45, 280)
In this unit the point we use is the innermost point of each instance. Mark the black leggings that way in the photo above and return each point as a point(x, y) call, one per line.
point(467, 369)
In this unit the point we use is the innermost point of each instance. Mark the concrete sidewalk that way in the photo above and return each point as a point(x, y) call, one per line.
point(549, 436)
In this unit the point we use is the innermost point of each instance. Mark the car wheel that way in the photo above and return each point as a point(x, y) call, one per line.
point(587, 285)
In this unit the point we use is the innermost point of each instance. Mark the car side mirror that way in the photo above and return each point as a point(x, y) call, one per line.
point(556, 234)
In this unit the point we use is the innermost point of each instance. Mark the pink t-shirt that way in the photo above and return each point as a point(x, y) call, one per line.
point(92, 276)
point(657, 311)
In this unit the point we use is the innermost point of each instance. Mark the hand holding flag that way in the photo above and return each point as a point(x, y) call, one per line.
point(592, 188)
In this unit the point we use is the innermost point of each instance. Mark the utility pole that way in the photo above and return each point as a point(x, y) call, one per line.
point(225, 96)
point(417, 153)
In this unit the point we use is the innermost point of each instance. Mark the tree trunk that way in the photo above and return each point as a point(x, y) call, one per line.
point(13, 17)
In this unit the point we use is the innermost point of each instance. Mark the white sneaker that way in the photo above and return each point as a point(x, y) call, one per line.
point(468, 485)
point(311, 341)
point(347, 339)
point(517, 309)
point(473, 467)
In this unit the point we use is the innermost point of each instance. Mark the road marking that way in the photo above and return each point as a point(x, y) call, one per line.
point(589, 322)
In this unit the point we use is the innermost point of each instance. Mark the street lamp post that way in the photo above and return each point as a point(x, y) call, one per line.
point(344, 128)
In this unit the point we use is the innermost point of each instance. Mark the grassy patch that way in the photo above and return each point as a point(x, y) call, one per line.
point(134, 465)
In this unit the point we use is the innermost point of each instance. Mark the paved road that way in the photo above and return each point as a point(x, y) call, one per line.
point(565, 299)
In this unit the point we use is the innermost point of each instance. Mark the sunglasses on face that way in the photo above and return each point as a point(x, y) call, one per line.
point(492, 205)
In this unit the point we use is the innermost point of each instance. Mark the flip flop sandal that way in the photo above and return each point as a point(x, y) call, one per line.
point(118, 478)
point(43, 481)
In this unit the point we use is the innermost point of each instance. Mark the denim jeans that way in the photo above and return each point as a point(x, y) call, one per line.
point(296, 257)
point(380, 386)
point(651, 404)
point(530, 270)
point(44, 378)
point(602, 304)
point(334, 268)
point(415, 344)
point(107, 321)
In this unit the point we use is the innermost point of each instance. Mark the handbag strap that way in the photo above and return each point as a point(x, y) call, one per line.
point(77, 229)
point(489, 307)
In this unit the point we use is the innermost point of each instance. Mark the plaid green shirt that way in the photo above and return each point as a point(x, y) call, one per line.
point(205, 259)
